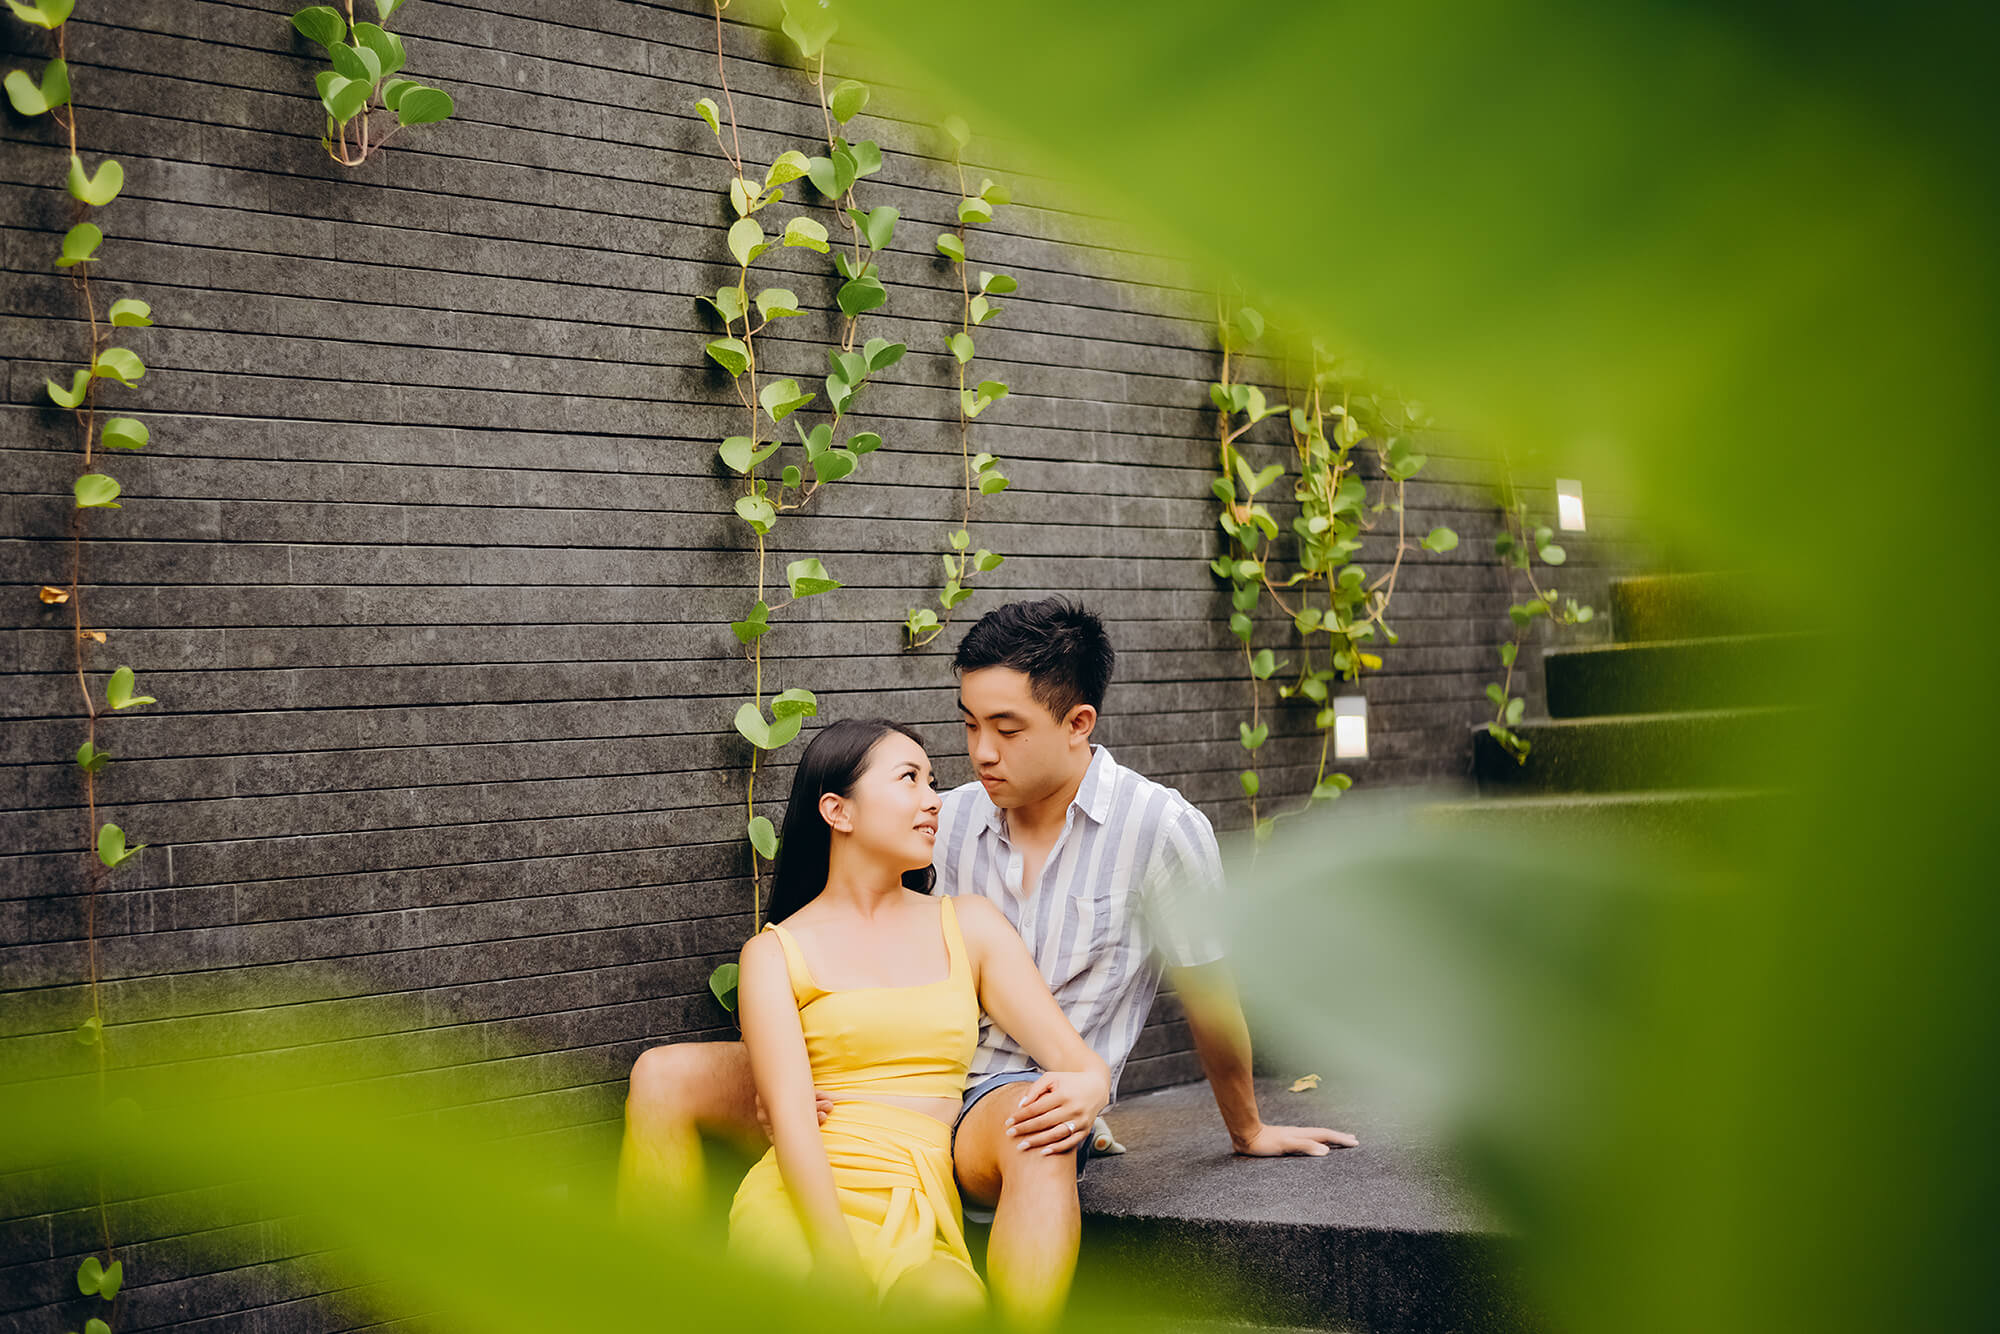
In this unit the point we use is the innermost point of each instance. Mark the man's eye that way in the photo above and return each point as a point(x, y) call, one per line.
point(1005, 732)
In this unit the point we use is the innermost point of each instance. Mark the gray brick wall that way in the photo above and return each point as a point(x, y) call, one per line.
point(430, 561)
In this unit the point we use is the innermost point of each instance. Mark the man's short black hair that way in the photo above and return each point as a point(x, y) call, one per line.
point(1061, 647)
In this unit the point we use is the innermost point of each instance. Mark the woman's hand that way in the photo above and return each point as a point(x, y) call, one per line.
point(1058, 1110)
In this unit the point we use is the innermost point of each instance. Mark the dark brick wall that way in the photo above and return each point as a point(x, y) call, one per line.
point(430, 561)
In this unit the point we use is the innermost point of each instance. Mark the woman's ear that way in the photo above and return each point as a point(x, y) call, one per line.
point(833, 810)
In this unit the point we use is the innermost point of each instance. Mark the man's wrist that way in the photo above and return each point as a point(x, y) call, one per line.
point(1244, 1137)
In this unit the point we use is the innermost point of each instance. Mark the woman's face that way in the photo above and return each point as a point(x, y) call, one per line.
point(892, 810)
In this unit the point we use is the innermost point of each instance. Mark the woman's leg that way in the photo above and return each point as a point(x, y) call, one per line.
point(941, 1287)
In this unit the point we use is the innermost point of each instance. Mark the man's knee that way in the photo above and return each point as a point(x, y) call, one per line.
point(669, 1082)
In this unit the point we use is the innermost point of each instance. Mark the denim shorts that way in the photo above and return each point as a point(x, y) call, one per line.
point(976, 1213)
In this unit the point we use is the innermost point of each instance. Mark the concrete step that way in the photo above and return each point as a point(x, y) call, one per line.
point(1379, 1239)
point(1669, 675)
point(1667, 820)
point(1685, 606)
point(1646, 752)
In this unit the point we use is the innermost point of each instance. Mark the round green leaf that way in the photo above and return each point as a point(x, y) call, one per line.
point(97, 190)
point(94, 490)
point(357, 63)
point(746, 240)
point(111, 849)
point(1248, 778)
point(344, 97)
point(962, 347)
point(807, 577)
point(782, 398)
point(124, 433)
point(951, 247)
point(807, 233)
point(973, 209)
point(776, 303)
point(763, 837)
point(810, 26)
point(860, 295)
point(722, 984)
point(999, 284)
point(127, 313)
point(847, 100)
point(73, 396)
point(80, 246)
point(423, 106)
point(34, 99)
point(120, 364)
point(711, 113)
point(393, 90)
point(387, 47)
point(794, 703)
point(118, 691)
point(731, 354)
point(322, 24)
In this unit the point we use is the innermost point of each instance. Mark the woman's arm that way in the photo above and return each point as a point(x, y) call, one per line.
point(778, 1063)
point(1076, 1085)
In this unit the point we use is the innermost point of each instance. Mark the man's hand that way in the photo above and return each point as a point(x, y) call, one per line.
point(1281, 1141)
point(1058, 1110)
point(821, 1103)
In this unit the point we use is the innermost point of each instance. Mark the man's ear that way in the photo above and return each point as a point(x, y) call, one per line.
point(1081, 723)
point(833, 809)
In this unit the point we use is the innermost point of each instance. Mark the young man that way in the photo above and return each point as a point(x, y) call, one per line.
point(1087, 859)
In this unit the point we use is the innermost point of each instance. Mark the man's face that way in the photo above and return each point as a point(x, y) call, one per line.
point(1020, 752)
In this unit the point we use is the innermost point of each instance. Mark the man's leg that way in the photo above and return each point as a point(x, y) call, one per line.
point(1031, 1254)
point(677, 1093)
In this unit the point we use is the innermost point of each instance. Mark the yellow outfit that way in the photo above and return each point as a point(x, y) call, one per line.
point(891, 1165)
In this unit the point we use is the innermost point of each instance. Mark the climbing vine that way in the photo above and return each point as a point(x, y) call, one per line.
point(982, 475)
point(50, 94)
point(1519, 543)
point(852, 361)
point(1328, 599)
point(365, 58)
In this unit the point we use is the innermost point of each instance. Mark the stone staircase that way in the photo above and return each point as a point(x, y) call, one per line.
point(1378, 1238)
point(1670, 731)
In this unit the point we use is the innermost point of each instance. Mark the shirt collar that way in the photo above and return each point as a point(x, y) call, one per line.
point(1093, 795)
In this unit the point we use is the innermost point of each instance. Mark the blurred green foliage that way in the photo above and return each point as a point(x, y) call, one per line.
point(1736, 262)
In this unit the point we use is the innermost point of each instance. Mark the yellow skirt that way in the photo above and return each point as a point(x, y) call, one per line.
point(892, 1171)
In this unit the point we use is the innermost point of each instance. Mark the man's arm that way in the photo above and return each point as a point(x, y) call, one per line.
point(1184, 887)
point(1222, 1042)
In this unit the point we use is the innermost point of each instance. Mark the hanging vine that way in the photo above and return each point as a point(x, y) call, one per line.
point(1326, 595)
point(852, 361)
point(982, 475)
point(1519, 544)
point(105, 848)
point(365, 58)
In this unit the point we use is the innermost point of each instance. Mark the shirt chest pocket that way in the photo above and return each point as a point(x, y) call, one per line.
point(1101, 911)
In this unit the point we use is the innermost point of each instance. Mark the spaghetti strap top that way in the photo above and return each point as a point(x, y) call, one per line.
point(913, 1042)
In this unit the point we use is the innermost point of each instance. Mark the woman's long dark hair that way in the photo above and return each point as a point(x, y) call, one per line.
point(831, 763)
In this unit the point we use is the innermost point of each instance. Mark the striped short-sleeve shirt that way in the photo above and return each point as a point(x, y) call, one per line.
point(1108, 913)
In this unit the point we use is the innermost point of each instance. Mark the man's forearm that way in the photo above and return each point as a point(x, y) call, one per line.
point(1222, 1043)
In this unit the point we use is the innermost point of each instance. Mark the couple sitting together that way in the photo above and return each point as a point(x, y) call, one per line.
point(882, 1022)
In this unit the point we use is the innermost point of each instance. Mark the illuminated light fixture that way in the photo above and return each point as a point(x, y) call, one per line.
point(1569, 505)
point(1350, 727)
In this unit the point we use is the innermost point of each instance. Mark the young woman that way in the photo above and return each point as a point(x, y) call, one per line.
point(868, 989)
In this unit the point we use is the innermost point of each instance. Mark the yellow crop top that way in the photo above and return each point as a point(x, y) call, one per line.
point(912, 1042)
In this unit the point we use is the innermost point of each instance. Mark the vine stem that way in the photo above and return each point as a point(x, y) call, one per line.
point(964, 421)
point(94, 872)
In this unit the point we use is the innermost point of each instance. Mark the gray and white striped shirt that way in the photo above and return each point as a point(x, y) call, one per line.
point(1106, 915)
